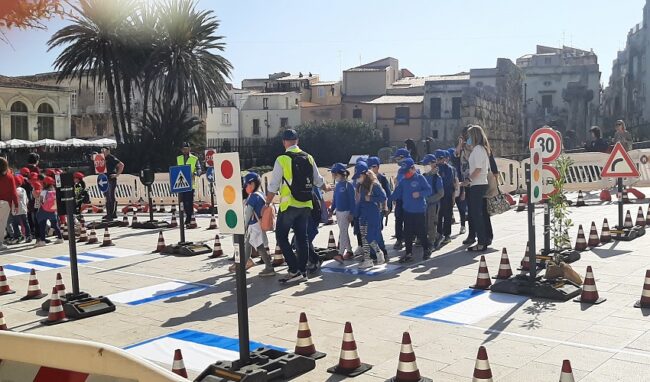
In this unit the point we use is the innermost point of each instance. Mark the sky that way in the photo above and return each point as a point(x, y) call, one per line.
point(427, 36)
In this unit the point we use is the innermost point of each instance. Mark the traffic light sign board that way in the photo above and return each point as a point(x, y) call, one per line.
point(227, 178)
point(536, 179)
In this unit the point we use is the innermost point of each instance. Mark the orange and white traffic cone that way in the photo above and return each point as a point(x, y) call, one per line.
point(160, 246)
point(350, 364)
point(605, 196)
point(637, 194)
point(407, 368)
point(213, 223)
point(331, 243)
point(483, 278)
point(173, 223)
point(56, 314)
point(33, 288)
point(3, 323)
point(566, 375)
point(644, 302)
point(594, 240)
point(304, 344)
point(60, 287)
point(581, 243)
point(278, 257)
point(4, 285)
point(125, 221)
point(107, 242)
point(647, 217)
point(628, 220)
point(626, 199)
point(193, 224)
point(510, 199)
point(173, 208)
point(640, 220)
point(178, 367)
point(522, 203)
point(605, 235)
point(92, 239)
point(216, 248)
point(162, 208)
point(525, 262)
point(135, 219)
point(83, 235)
point(505, 271)
point(482, 371)
point(589, 292)
point(581, 200)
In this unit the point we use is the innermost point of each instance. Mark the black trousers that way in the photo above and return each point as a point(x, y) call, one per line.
point(415, 225)
point(399, 221)
point(478, 214)
point(445, 214)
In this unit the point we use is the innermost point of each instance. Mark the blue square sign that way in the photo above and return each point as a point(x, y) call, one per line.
point(180, 179)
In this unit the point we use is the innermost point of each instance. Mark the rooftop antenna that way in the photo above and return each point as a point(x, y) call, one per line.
point(340, 66)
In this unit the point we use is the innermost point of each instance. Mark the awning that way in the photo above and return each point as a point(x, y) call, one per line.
point(19, 143)
point(48, 143)
point(76, 142)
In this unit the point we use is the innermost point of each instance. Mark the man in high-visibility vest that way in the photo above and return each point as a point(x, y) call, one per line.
point(187, 158)
point(295, 203)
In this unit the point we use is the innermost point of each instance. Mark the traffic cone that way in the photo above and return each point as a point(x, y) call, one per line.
point(60, 287)
point(626, 199)
point(33, 288)
point(589, 292)
point(3, 324)
point(605, 196)
point(644, 302)
point(278, 257)
point(525, 262)
point(4, 285)
point(483, 277)
point(83, 235)
point(161, 243)
point(637, 194)
point(605, 235)
point(594, 240)
point(349, 362)
point(581, 201)
point(567, 374)
point(647, 217)
point(216, 249)
point(581, 243)
point(628, 220)
point(162, 208)
point(135, 219)
point(505, 271)
point(407, 368)
point(178, 367)
point(510, 199)
point(173, 208)
point(213, 223)
point(56, 314)
point(107, 242)
point(125, 221)
point(640, 220)
point(482, 371)
point(92, 239)
point(173, 223)
point(331, 243)
point(193, 224)
point(522, 204)
point(304, 344)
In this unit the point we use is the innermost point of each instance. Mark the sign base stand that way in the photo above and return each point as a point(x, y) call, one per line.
point(265, 365)
point(186, 249)
point(567, 255)
point(84, 305)
point(627, 234)
point(104, 224)
point(556, 290)
point(151, 224)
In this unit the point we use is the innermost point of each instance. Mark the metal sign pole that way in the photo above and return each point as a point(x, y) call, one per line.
point(532, 255)
point(68, 199)
point(181, 218)
point(150, 203)
point(212, 197)
point(620, 203)
point(242, 303)
point(547, 227)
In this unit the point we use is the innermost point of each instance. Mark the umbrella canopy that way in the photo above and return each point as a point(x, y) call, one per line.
point(18, 143)
point(76, 142)
point(48, 143)
point(2, 145)
point(104, 142)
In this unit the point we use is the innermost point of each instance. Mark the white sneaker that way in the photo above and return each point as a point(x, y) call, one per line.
point(39, 244)
point(462, 230)
point(2, 246)
point(366, 264)
point(380, 258)
point(58, 241)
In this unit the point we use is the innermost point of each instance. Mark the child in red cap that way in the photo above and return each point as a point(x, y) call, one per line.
point(47, 212)
point(19, 214)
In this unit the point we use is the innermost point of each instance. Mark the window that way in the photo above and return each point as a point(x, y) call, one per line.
point(547, 61)
point(256, 127)
point(455, 107)
point(45, 122)
point(19, 128)
point(286, 102)
point(321, 92)
point(434, 134)
point(356, 114)
point(73, 100)
point(265, 103)
point(296, 101)
point(284, 122)
point(435, 106)
point(225, 118)
point(547, 83)
point(100, 99)
point(401, 115)
point(547, 101)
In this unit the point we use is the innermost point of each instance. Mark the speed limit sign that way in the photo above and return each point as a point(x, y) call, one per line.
point(549, 175)
point(548, 141)
point(208, 157)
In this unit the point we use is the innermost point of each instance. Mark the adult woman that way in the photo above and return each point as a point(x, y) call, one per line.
point(412, 148)
point(479, 166)
point(8, 197)
point(597, 143)
point(622, 135)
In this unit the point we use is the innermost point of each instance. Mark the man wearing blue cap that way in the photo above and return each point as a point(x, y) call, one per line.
point(433, 201)
point(294, 176)
point(399, 156)
point(449, 183)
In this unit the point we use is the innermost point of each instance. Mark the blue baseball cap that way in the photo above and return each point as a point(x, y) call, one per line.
point(373, 161)
point(360, 168)
point(338, 168)
point(403, 153)
point(407, 164)
point(428, 159)
point(440, 153)
point(361, 159)
point(250, 177)
point(289, 135)
point(451, 151)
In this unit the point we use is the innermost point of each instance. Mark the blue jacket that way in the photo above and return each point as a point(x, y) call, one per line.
point(386, 186)
point(256, 201)
point(370, 211)
point(448, 175)
point(437, 190)
point(343, 199)
point(404, 192)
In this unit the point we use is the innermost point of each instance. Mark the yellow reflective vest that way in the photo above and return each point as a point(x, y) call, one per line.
point(286, 199)
point(192, 160)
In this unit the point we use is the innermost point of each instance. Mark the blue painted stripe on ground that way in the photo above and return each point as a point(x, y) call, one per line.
point(354, 271)
point(17, 269)
point(163, 296)
point(45, 264)
point(97, 255)
point(67, 258)
point(207, 339)
point(442, 303)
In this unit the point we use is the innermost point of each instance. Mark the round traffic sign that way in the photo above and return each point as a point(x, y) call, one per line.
point(549, 175)
point(644, 159)
point(208, 157)
point(548, 141)
point(100, 163)
point(102, 183)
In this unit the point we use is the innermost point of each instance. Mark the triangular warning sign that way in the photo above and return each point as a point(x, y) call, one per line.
point(181, 182)
point(619, 164)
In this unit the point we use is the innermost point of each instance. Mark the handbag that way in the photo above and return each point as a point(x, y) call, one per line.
point(267, 222)
point(493, 186)
point(497, 204)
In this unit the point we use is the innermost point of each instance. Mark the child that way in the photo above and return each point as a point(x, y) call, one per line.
point(343, 204)
point(373, 165)
point(459, 196)
point(19, 214)
point(80, 193)
point(370, 199)
point(37, 187)
point(399, 156)
point(413, 190)
point(47, 212)
point(449, 183)
point(433, 201)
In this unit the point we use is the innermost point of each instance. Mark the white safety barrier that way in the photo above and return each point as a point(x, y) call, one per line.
point(24, 355)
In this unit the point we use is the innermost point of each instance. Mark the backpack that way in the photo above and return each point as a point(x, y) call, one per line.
point(49, 202)
point(303, 176)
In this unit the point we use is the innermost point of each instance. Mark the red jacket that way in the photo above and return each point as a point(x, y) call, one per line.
point(8, 189)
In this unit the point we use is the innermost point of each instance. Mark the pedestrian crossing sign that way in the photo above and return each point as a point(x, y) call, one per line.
point(180, 179)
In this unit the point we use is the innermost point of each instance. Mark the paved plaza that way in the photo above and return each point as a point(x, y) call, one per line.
point(163, 301)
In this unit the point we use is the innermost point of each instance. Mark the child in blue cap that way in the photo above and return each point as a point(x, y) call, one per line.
point(449, 183)
point(433, 201)
point(413, 190)
point(370, 201)
point(373, 165)
point(399, 156)
point(343, 205)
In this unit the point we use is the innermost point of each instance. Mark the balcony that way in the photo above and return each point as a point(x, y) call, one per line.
point(281, 87)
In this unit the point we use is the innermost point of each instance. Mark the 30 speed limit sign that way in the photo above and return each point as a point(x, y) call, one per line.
point(548, 141)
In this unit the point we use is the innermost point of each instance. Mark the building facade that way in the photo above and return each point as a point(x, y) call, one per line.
point(264, 115)
point(222, 120)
